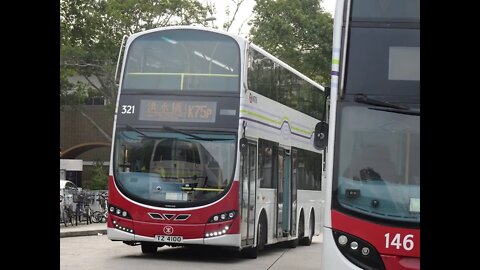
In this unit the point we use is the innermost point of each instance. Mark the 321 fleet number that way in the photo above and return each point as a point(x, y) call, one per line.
point(397, 241)
point(128, 109)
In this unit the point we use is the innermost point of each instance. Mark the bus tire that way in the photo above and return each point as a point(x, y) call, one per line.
point(292, 243)
point(149, 248)
point(262, 232)
point(252, 252)
point(301, 228)
point(307, 240)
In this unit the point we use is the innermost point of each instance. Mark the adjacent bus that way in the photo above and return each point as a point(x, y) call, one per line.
point(216, 142)
point(372, 217)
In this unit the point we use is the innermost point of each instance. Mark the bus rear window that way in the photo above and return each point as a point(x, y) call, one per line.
point(187, 60)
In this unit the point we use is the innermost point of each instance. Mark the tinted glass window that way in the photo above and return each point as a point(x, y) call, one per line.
point(272, 80)
point(378, 173)
point(309, 170)
point(266, 164)
point(386, 10)
point(183, 60)
point(173, 168)
point(383, 61)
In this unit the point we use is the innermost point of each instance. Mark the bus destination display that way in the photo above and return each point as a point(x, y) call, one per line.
point(178, 111)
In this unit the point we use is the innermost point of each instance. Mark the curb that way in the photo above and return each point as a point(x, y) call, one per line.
point(83, 233)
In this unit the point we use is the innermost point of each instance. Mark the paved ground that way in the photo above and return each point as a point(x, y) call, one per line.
point(83, 229)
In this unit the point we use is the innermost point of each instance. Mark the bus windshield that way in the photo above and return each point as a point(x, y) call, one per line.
point(168, 167)
point(379, 164)
point(183, 60)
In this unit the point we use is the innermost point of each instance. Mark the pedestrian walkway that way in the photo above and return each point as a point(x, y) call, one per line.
point(83, 230)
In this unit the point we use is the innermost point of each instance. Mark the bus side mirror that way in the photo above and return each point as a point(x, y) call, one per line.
point(321, 136)
point(243, 145)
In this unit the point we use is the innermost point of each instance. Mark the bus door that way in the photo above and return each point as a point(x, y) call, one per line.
point(293, 194)
point(248, 162)
point(285, 189)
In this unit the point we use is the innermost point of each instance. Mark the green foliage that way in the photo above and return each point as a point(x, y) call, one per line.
point(91, 33)
point(98, 179)
point(299, 32)
point(228, 23)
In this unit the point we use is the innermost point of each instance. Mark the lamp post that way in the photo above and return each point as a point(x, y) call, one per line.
point(210, 19)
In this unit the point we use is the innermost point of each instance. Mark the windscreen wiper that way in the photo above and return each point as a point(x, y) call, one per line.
point(130, 128)
point(401, 111)
point(387, 106)
point(183, 132)
point(195, 136)
point(362, 98)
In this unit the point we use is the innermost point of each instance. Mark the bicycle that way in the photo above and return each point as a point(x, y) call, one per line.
point(101, 216)
point(68, 215)
point(62, 215)
point(83, 209)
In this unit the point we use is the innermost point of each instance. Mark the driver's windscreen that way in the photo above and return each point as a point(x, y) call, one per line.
point(167, 167)
point(378, 173)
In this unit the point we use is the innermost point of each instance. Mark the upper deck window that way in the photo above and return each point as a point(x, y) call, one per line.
point(183, 60)
point(386, 10)
point(383, 55)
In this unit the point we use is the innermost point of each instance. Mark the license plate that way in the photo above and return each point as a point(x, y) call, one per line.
point(169, 238)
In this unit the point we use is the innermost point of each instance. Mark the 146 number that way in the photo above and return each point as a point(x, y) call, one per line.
point(407, 242)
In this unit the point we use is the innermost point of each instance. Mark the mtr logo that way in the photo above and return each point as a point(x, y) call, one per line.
point(168, 230)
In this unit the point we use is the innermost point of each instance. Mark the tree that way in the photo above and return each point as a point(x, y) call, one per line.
point(299, 32)
point(228, 23)
point(91, 33)
point(231, 10)
point(99, 179)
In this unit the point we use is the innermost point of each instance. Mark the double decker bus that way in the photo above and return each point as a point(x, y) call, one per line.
point(372, 211)
point(216, 142)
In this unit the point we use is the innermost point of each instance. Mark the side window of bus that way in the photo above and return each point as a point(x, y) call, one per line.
point(261, 74)
point(265, 164)
point(272, 80)
point(309, 170)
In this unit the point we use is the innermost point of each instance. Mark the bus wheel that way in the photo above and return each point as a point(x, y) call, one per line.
point(301, 229)
point(262, 233)
point(250, 252)
point(307, 241)
point(149, 248)
point(294, 243)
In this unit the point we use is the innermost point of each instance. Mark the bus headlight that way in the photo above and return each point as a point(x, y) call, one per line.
point(229, 215)
point(342, 240)
point(122, 228)
point(358, 251)
point(119, 212)
point(218, 232)
point(365, 251)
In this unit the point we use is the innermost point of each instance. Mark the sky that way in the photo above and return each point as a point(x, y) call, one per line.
point(244, 14)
